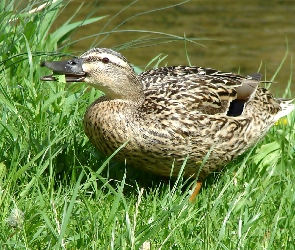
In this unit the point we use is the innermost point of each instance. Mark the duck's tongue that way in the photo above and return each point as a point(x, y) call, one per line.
point(72, 70)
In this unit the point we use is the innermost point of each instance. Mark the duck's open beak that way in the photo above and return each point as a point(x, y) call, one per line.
point(72, 70)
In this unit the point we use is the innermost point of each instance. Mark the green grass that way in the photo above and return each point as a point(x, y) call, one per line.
point(57, 192)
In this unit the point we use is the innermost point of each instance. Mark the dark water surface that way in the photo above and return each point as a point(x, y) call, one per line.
point(245, 34)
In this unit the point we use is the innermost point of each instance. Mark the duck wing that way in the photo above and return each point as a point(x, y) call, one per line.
point(197, 90)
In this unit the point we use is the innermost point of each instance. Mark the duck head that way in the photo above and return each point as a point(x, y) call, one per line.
point(102, 68)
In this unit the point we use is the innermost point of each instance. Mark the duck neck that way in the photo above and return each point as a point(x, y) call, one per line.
point(128, 88)
point(133, 90)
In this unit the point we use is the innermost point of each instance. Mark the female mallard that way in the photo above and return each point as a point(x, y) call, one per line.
point(171, 114)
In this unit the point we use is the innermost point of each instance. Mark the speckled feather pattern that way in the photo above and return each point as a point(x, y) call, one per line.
point(183, 115)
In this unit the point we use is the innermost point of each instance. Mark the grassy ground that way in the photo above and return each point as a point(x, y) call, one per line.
point(57, 192)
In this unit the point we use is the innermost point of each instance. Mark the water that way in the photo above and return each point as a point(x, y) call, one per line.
point(244, 35)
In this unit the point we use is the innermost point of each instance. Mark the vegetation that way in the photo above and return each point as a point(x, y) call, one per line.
point(56, 191)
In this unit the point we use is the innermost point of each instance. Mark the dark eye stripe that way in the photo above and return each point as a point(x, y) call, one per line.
point(104, 60)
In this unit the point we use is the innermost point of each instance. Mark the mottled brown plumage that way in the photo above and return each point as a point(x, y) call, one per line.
point(171, 114)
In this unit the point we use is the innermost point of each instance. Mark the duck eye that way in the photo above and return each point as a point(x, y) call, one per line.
point(105, 60)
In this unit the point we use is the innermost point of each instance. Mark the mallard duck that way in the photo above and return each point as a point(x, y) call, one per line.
point(171, 114)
